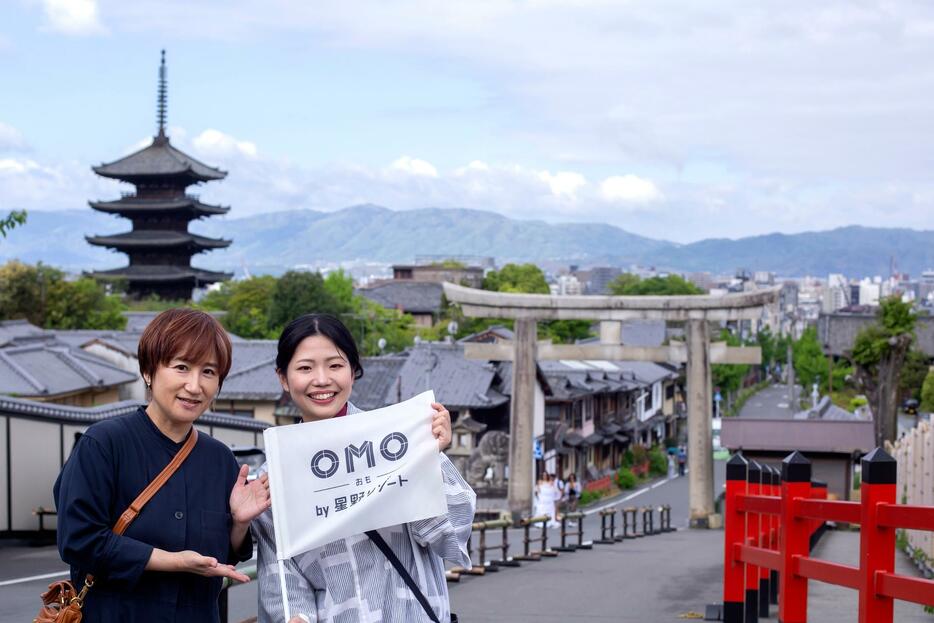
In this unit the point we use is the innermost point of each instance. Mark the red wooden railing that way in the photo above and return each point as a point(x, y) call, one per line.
point(770, 523)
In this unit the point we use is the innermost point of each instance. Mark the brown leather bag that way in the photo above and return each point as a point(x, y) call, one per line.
point(62, 603)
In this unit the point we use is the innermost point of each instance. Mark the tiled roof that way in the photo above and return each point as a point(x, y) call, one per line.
point(20, 331)
point(164, 273)
point(132, 204)
point(89, 415)
point(421, 297)
point(379, 385)
point(252, 372)
point(458, 382)
point(160, 158)
point(141, 238)
point(45, 370)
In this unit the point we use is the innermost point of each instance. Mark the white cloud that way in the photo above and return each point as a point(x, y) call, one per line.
point(73, 17)
point(564, 183)
point(11, 139)
point(629, 188)
point(414, 166)
point(215, 143)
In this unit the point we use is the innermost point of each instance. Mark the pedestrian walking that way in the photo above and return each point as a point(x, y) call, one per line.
point(682, 460)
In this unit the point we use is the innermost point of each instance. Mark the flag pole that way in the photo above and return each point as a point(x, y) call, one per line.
point(285, 594)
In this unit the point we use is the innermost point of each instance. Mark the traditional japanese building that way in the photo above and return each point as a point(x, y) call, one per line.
point(160, 246)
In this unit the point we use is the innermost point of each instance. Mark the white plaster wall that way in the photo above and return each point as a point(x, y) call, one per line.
point(35, 463)
point(4, 525)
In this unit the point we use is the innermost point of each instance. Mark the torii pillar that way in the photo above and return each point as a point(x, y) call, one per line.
point(696, 311)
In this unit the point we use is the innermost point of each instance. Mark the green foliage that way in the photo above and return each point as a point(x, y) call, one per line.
point(625, 479)
point(526, 278)
point(658, 461)
point(809, 360)
point(672, 285)
point(628, 458)
point(43, 296)
point(729, 377)
point(914, 371)
point(297, 293)
point(153, 303)
point(247, 304)
point(565, 331)
point(858, 401)
point(927, 394)
point(589, 497)
point(82, 304)
point(875, 341)
point(449, 264)
point(11, 220)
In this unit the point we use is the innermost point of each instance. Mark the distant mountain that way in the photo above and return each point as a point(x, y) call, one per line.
point(273, 242)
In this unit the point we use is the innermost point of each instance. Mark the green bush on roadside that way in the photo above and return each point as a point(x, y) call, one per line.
point(589, 497)
point(625, 479)
point(658, 462)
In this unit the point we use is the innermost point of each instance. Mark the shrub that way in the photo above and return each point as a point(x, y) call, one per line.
point(639, 455)
point(589, 497)
point(625, 479)
point(658, 462)
point(628, 458)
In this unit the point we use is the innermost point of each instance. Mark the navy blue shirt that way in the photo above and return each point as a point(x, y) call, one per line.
point(110, 465)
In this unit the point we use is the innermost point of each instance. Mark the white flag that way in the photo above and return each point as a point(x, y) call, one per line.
point(344, 476)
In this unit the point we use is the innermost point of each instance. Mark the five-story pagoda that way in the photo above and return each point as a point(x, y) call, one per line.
point(160, 246)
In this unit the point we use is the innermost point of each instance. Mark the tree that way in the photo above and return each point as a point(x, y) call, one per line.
point(11, 220)
point(623, 283)
point(297, 293)
point(809, 361)
point(672, 285)
point(914, 371)
point(247, 305)
point(43, 296)
point(927, 393)
point(729, 377)
point(82, 304)
point(527, 278)
point(879, 352)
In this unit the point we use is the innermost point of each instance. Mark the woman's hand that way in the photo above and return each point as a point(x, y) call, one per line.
point(441, 426)
point(193, 562)
point(248, 500)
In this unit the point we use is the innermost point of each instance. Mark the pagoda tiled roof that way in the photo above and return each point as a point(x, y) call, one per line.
point(159, 159)
point(133, 204)
point(157, 238)
point(163, 274)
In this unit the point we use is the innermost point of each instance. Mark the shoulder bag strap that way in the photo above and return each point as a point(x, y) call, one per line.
point(391, 556)
point(137, 505)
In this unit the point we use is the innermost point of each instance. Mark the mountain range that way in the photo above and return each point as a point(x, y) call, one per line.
point(273, 242)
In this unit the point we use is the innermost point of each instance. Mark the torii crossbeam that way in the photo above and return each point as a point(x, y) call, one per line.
point(698, 352)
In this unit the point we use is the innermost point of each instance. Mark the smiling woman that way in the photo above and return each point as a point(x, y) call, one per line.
point(169, 562)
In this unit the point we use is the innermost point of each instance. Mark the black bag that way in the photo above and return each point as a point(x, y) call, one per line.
point(394, 560)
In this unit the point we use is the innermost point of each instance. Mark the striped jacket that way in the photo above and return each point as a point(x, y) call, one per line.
point(351, 581)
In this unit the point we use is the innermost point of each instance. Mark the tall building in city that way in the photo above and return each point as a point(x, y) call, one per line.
point(159, 245)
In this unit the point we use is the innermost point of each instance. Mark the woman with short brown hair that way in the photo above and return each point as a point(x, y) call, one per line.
point(169, 563)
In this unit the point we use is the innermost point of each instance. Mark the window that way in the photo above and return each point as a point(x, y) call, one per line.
point(577, 415)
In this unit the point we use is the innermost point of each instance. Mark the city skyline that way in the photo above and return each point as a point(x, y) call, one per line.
point(670, 122)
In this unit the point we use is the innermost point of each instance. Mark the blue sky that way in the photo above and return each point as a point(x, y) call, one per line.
point(669, 119)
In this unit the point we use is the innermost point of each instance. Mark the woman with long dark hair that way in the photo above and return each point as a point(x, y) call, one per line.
point(349, 580)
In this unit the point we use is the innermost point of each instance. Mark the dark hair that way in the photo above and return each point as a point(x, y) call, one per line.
point(187, 333)
point(317, 324)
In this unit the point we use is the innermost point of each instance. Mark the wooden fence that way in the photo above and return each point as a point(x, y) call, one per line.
point(915, 455)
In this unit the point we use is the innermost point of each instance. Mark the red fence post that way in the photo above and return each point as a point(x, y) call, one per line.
point(765, 536)
point(795, 534)
point(876, 543)
point(753, 479)
point(818, 492)
point(775, 489)
point(734, 529)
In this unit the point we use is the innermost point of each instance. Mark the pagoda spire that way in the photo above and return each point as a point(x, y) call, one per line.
point(162, 99)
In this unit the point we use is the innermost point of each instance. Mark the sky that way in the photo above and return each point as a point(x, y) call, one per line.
point(673, 120)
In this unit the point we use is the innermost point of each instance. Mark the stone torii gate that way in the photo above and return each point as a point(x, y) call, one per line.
point(698, 352)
